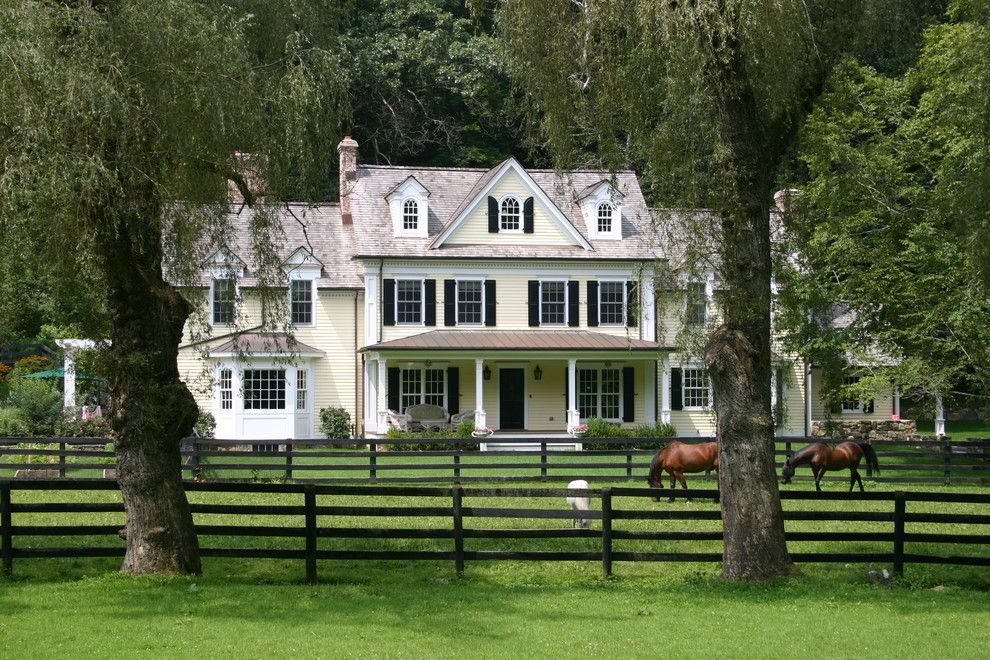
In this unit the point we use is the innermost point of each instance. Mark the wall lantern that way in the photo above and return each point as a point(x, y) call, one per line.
point(538, 373)
point(487, 373)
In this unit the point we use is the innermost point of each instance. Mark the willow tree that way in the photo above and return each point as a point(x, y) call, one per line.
point(707, 95)
point(120, 121)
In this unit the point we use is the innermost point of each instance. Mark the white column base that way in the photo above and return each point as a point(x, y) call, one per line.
point(480, 420)
point(665, 416)
point(573, 419)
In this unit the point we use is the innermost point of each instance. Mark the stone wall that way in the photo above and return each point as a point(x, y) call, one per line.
point(861, 430)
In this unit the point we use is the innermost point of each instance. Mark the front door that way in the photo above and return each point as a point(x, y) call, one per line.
point(512, 399)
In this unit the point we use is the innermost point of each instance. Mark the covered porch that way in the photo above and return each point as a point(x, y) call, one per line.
point(515, 383)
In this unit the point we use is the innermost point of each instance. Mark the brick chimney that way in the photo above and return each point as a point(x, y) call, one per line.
point(347, 149)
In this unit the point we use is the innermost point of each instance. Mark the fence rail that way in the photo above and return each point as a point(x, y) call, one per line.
point(923, 461)
point(466, 540)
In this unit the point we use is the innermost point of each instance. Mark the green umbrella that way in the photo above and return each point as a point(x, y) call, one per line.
point(60, 373)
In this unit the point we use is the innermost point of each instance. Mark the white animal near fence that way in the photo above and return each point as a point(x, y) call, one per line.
point(579, 503)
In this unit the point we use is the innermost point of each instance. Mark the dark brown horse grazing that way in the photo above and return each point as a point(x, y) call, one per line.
point(677, 458)
point(823, 458)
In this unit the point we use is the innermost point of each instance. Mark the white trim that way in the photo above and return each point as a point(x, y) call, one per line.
point(536, 269)
point(599, 367)
point(665, 390)
point(422, 302)
point(555, 213)
point(237, 291)
point(521, 218)
point(695, 367)
point(312, 303)
point(625, 303)
point(567, 302)
point(457, 293)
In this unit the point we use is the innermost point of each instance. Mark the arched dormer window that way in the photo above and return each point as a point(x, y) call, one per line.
point(605, 213)
point(509, 217)
point(410, 214)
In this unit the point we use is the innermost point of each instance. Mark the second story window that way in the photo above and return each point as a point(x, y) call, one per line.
point(301, 301)
point(605, 211)
point(224, 295)
point(470, 302)
point(697, 303)
point(409, 301)
point(612, 303)
point(696, 393)
point(509, 216)
point(410, 215)
point(553, 303)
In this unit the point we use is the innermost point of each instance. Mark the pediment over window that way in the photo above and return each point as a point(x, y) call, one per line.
point(601, 205)
point(302, 264)
point(224, 263)
point(408, 206)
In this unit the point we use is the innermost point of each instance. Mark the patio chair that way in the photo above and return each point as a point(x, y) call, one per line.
point(399, 421)
point(455, 420)
point(427, 416)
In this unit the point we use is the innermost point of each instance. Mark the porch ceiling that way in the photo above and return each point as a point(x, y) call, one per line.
point(522, 340)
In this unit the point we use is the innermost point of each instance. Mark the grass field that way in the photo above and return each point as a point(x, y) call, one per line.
point(958, 430)
point(253, 608)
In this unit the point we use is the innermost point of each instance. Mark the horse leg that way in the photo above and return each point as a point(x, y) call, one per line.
point(818, 479)
point(859, 478)
point(673, 484)
point(680, 477)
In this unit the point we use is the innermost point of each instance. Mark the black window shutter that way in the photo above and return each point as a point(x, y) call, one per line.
point(573, 293)
point(835, 407)
point(628, 395)
point(492, 215)
point(388, 301)
point(528, 216)
point(453, 390)
point(593, 303)
point(449, 302)
point(676, 401)
point(393, 389)
point(430, 295)
point(490, 303)
point(870, 406)
point(632, 304)
point(534, 303)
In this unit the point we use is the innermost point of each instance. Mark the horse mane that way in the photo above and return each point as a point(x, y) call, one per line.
point(656, 467)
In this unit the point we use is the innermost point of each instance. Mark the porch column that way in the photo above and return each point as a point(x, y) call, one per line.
point(573, 416)
point(648, 325)
point(665, 389)
point(897, 403)
point(650, 392)
point(939, 415)
point(382, 399)
point(370, 394)
point(480, 418)
point(808, 399)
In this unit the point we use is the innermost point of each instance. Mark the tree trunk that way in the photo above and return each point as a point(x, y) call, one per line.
point(151, 409)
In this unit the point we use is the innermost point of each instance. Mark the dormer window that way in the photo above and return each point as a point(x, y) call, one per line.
point(509, 216)
point(605, 212)
point(410, 215)
point(223, 292)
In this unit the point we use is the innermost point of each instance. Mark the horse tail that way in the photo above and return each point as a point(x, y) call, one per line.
point(871, 456)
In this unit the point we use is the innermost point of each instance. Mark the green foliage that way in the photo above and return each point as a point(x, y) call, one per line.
point(206, 424)
point(14, 423)
point(98, 427)
point(40, 403)
point(442, 434)
point(335, 423)
point(465, 428)
point(658, 430)
point(599, 428)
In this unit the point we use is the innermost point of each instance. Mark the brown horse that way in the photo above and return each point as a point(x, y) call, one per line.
point(823, 458)
point(677, 458)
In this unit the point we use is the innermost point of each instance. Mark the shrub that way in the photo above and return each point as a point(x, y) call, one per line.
point(31, 364)
point(206, 425)
point(396, 434)
point(659, 430)
point(599, 428)
point(98, 427)
point(465, 428)
point(335, 423)
point(13, 422)
point(40, 402)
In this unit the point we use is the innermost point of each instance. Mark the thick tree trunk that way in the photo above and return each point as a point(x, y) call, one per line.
point(151, 409)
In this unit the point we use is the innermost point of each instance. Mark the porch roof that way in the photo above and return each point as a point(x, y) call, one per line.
point(517, 340)
point(264, 343)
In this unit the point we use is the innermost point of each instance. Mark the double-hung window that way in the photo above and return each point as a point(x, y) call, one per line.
point(226, 389)
point(409, 301)
point(599, 393)
point(697, 303)
point(612, 303)
point(509, 216)
point(422, 385)
point(264, 389)
point(224, 296)
point(553, 303)
point(301, 302)
point(470, 302)
point(302, 389)
point(851, 405)
point(696, 390)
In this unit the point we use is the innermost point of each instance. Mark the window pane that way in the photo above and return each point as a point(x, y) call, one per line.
point(409, 301)
point(410, 214)
point(509, 214)
point(412, 388)
point(610, 394)
point(553, 303)
point(302, 301)
point(226, 390)
point(587, 387)
point(469, 307)
point(604, 218)
point(434, 394)
point(301, 393)
point(695, 388)
point(697, 303)
point(851, 405)
point(264, 389)
point(612, 307)
point(224, 291)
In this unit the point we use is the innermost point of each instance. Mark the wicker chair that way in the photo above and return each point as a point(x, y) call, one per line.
point(399, 421)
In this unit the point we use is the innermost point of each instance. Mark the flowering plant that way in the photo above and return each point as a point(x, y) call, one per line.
point(580, 428)
point(482, 432)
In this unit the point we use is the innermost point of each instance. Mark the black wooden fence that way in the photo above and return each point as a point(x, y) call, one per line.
point(923, 461)
point(466, 541)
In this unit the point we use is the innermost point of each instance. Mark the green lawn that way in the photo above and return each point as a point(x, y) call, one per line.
point(958, 430)
point(258, 608)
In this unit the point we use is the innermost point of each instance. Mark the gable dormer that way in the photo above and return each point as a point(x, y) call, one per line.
point(507, 207)
point(407, 204)
point(302, 265)
point(601, 206)
point(224, 264)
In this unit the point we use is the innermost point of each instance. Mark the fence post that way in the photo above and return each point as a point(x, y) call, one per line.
point(373, 462)
point(310, 502)
point(458, 495)
point(6, 529)
point(607, 532)
point(195, 461)
point(457, 464)
point(629, 455)
point(61, 459)
point(288, 461)
point(543, 461)
point(947, 460)
point(899, 507)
